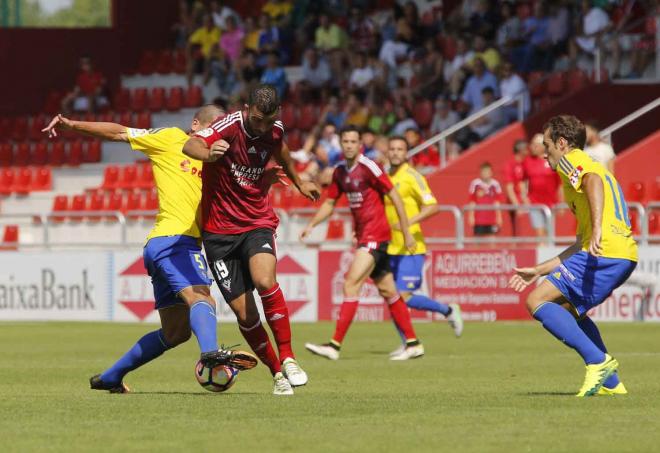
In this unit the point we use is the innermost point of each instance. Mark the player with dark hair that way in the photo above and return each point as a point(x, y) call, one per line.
point(239, 224)
point(365, 184)
point(172, 254)
point(584, 275)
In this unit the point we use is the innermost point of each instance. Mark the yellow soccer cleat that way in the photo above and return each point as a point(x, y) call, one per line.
point(596, 375)
point(620, 389)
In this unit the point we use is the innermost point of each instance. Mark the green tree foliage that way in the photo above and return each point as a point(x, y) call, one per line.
point(81, 14)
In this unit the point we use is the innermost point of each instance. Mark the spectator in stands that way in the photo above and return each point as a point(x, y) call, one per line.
point(485, 191)
point(357, 113)
point(408, 27)
point(316, 75)
point(488, 123)
point(458, 68)
point(488, 54)
point(333, 113)
point(510, 29)
point(483, 20)
point(369, 145)
point(362, 31)
point(596, 26)
point(393, 52)
point(404, 121)
point(362, 74)
point(428, 73)
point(542, 184)
point(512, 85)
point(231, 41)
point(426, 158)
point(274, 74)
point(599, 150)
point(223, 12)
point(247, 73)
point(269, 39)
point(252, 33)
point(88, 94)
point(184, 25)
point(559, 27)
point(480, 79)
point(514, 185)
point(382, 116)
point(201, 49)
point(533, 54)
point(328, 35)
point(277, 9)
point(443, 118)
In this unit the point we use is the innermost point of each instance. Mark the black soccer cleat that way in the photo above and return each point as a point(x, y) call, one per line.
point(95, 383)
point(240, 360)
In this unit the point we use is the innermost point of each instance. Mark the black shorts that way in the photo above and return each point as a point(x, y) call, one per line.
point(485, 230)
point(379, 251)
point(229, 256)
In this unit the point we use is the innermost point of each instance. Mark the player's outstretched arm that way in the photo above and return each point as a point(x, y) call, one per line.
point(105, 131)
point(197, 148)
point(411, 244)
point(323, 213)
point(307, 188)
point(592, 186)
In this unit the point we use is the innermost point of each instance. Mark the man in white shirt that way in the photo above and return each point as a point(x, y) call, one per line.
point(221, 13)
point(599, 150)
point(512, 85)
point(362, 73)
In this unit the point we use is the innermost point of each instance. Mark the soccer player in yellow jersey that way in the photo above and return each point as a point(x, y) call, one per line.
point(419, 204)
point(584, 275)
point(172, 254)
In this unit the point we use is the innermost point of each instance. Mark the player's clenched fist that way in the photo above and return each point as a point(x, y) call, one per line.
point(218, 149)
point(310, 190)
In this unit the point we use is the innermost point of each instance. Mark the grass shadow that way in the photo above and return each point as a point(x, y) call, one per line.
point(548, 394)
point(192, 393)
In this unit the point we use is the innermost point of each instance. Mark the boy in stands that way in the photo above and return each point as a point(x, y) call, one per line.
point(485, 191)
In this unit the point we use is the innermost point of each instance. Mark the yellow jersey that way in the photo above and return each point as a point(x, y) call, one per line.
point(206, 39)
point(415, 193)
point(617, 240)
point(178, 180)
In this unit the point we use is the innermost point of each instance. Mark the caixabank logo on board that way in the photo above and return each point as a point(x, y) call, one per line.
point(46, 292)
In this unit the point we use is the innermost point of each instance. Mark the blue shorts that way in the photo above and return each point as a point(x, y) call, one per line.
point(174, 263)
point(407, 270)
point(586, 280)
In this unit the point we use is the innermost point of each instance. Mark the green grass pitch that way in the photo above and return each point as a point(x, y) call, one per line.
point(502, 387)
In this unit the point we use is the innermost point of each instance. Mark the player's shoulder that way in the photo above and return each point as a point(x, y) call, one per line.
point(576, 161)
point(370, 165)
point(224, 122)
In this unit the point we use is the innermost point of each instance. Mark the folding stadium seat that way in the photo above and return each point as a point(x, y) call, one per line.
point(636, 192)
point(110, 177)
point(6, 155)
point(288, 116)
point(139, 99)
point(633, 215)
point(96, 202)
point(22, 157)
point(92, 152)
point(151, 202)
point(143, 120)
point(6, 126)
point(125, 119)
point(23, 181)
point(10, 237)
point(74, 157)
point(157, 99)
point(147, 64)
point(7, 178)
point(19, 130)
point(335, 229)
point(145, 178)
point(60, 204)
point(557, 84)
point(53, 103)
point(423, 113)
point(654, 223)
point(577, 80)
point(57, 154)
point(294, 139)
point(42, 179)
point(128, 177)
point(536, 84)
point(78, 205)
point(36, 125)
point(114, 201)
point(175, 99)
point(194, 97)
point(165, 62)
point(308, 117)
point(133, 203)
point(121, 100)
point(40, 154)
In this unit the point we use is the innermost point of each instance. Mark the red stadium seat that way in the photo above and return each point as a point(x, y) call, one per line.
point(6, 126)
point(40, 154)
point(78, 204)
point(557, 84)
point(157, 99)
point(43, 179)
point(335, 229)
point(10, 237)
point(633, 215)
point(577, 80)
point(654, 223)
point(37, 123)
point(147, 64)
point(288, 116)
point(23, 155)
point(60, 204)
point(6, 155)
point(128, 177)
point(23, 182)
point(110, 177)
point(139, 99)
point(7, 177)
point(96, 203)
point(535, 83)
point(145, 178)
point(19, 130)
point(121, 100)
point(165, 62)
point(180, 62)
point(294, 139)
point(57, 154)
point(423, 113)
point(74, 157)
point(636, 192)
point(194, 97)
point(92, 152)
point(53, 103)
point(175, 99)
point(133, 203)
point(125, 119)
point(308, 117)
point(107, 117)
point(151, 202)
point(143, 120)
point(114, 202)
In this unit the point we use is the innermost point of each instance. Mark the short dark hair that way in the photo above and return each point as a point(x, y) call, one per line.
point(350, 128)
point(569, 127)
point(264, 97)
point(485, 165)
point(401, 138)
point(517, 145)
point(488, 90)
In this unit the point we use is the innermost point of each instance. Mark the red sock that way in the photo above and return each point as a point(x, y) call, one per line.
point(401, 317)
point(257, 338)
point(346, 315)
point(277, 315)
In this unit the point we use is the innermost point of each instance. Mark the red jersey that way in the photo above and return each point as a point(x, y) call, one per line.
point(514, 173)
point(542, 181)
point(89, 82)
point(233, 200)
point(364, 184)
point(484, 193)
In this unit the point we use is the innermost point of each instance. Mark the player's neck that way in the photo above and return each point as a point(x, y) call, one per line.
point(395, 168)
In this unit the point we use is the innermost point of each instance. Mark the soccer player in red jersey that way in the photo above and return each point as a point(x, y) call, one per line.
point(239, 224)
point(365, 184)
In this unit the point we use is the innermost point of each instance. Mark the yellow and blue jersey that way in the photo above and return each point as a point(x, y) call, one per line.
point(177, 177)
point(415, 193)
point(617, 240)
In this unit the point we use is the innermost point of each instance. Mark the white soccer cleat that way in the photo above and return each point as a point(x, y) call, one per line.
point(324, 350)
point(281, 385)
point(398, 351)
point(411, 352)
point(293, 372)
point(455, 320)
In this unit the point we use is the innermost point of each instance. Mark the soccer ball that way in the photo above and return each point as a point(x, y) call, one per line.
point(218, 379)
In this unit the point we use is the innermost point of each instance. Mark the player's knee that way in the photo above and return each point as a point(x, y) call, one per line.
point(264, 283)
point(387, 293)
point(532, 303)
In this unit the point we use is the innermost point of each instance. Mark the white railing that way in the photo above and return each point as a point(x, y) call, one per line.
point(606, 134)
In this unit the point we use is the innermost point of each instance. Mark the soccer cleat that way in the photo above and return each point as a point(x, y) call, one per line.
point(620, 389)
point(398, 350)
point(95, 383)
point(411, 352)
point(596, 375)
point(282, 386)
point(455, 320)
point(324, 350)
point(240, 360)
point(293, 372)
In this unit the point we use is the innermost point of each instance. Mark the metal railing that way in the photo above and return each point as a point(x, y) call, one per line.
point(606, 134)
